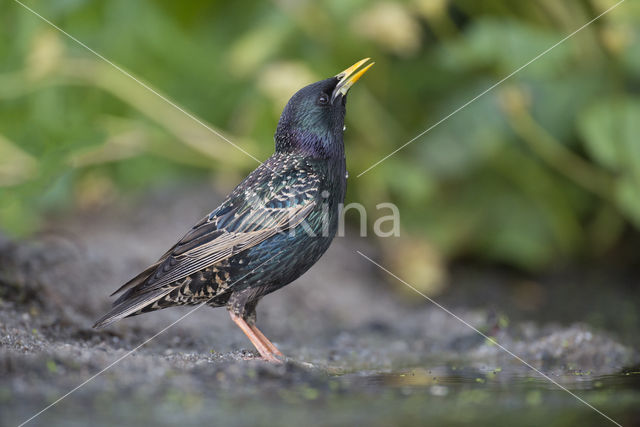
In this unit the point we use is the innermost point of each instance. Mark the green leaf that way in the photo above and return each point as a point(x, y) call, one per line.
point(610, 130)
point(465, 141)
point(508, 45)
point(628, 198)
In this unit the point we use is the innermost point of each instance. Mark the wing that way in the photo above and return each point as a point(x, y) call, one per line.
point(264, 204)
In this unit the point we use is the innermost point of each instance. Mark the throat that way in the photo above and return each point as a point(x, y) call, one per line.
point(310, 144)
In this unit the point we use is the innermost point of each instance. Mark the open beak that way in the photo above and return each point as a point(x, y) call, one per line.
point(348, 77)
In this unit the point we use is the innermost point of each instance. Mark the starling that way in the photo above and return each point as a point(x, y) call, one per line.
point(269, 230)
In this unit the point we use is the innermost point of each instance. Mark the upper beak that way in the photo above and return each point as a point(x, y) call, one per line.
point(348, 77)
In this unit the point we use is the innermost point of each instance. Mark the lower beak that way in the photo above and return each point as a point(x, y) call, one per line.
point(348, 77)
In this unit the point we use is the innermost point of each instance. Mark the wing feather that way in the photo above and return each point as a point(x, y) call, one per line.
point(250, 215)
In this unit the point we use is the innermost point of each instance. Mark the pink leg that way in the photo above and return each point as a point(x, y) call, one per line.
point(256, 339)
point(266, 341)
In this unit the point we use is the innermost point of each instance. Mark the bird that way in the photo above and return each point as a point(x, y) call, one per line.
point(273, 227)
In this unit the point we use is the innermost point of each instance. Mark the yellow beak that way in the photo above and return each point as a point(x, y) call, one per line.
point(348, 77)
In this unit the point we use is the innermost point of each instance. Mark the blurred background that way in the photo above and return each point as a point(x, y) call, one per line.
point(542, 171)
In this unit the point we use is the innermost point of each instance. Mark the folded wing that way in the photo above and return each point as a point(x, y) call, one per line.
point(264, 204)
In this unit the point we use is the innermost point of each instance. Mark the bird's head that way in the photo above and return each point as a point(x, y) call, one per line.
point(312, 122)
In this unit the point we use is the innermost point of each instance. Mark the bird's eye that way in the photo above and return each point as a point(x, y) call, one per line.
point(324, 99)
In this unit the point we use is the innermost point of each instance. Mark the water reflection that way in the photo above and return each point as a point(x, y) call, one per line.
point(443, 379)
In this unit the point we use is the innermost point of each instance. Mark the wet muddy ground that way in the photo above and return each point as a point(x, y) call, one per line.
point(359, 351)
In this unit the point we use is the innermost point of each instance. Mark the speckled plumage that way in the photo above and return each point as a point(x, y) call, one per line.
point(268, 231)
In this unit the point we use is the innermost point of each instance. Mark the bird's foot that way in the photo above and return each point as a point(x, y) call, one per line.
point(270, 346)
point(272, 358)
point(267, 357)
point(267, 350)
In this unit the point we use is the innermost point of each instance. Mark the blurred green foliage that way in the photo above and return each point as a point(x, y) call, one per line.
point(545, 167)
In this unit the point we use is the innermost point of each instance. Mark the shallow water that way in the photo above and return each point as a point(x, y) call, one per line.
point(445, 378)
point(454, 394)
point(438, 395)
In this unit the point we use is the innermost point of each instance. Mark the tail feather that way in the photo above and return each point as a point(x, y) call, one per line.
point(131, 306)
